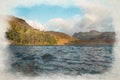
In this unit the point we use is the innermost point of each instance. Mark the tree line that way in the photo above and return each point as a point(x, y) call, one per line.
point(22, 35)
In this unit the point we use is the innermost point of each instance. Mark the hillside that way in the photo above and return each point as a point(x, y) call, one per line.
point(61, 38)
point(95, 37)
point(21, 33)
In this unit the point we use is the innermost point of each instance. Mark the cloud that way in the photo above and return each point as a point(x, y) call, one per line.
point(93, 22)
point(76, 24)
point(7, 5)
point(36, 24)
point(94, 10)
point(94, 16)
point(62, 25)
point(58, 25)
point(86, 4)
point(97, 16)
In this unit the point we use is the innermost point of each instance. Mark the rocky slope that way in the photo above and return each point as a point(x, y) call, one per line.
point(95, 37)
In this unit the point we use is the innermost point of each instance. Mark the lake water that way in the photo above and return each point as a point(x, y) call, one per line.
point(69, 60)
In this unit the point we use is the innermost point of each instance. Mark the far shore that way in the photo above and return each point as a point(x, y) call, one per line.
point(66, 45)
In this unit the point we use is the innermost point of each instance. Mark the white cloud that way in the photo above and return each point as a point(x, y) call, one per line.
point(86, 4)
point(7, 5)
point(93, 22)
point(87, 23)
point(62, 25)
point(94, 11)
point(58, 25)
point(36, 24)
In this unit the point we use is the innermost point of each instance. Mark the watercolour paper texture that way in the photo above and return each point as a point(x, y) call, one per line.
point(59, 40)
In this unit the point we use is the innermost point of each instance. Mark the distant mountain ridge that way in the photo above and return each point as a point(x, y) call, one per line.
point(96, 37)
point(86, 35)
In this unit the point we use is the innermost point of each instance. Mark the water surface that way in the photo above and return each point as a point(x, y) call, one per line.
point(69, 60)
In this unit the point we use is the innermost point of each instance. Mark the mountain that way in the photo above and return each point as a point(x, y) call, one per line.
point(61, 38)
point(21, 33)
point(107, 37)
point(94, 37)
point(86, 35)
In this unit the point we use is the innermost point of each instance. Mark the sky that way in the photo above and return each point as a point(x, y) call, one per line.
point(43, 12)
point(68, 17)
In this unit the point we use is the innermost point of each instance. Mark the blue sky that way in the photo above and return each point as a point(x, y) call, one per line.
point(44, 13)
point(68, 18)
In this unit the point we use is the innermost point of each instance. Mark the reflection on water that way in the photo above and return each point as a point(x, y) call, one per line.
point(70, 60)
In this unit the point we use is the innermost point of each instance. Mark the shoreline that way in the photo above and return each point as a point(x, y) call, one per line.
point(69, 45)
